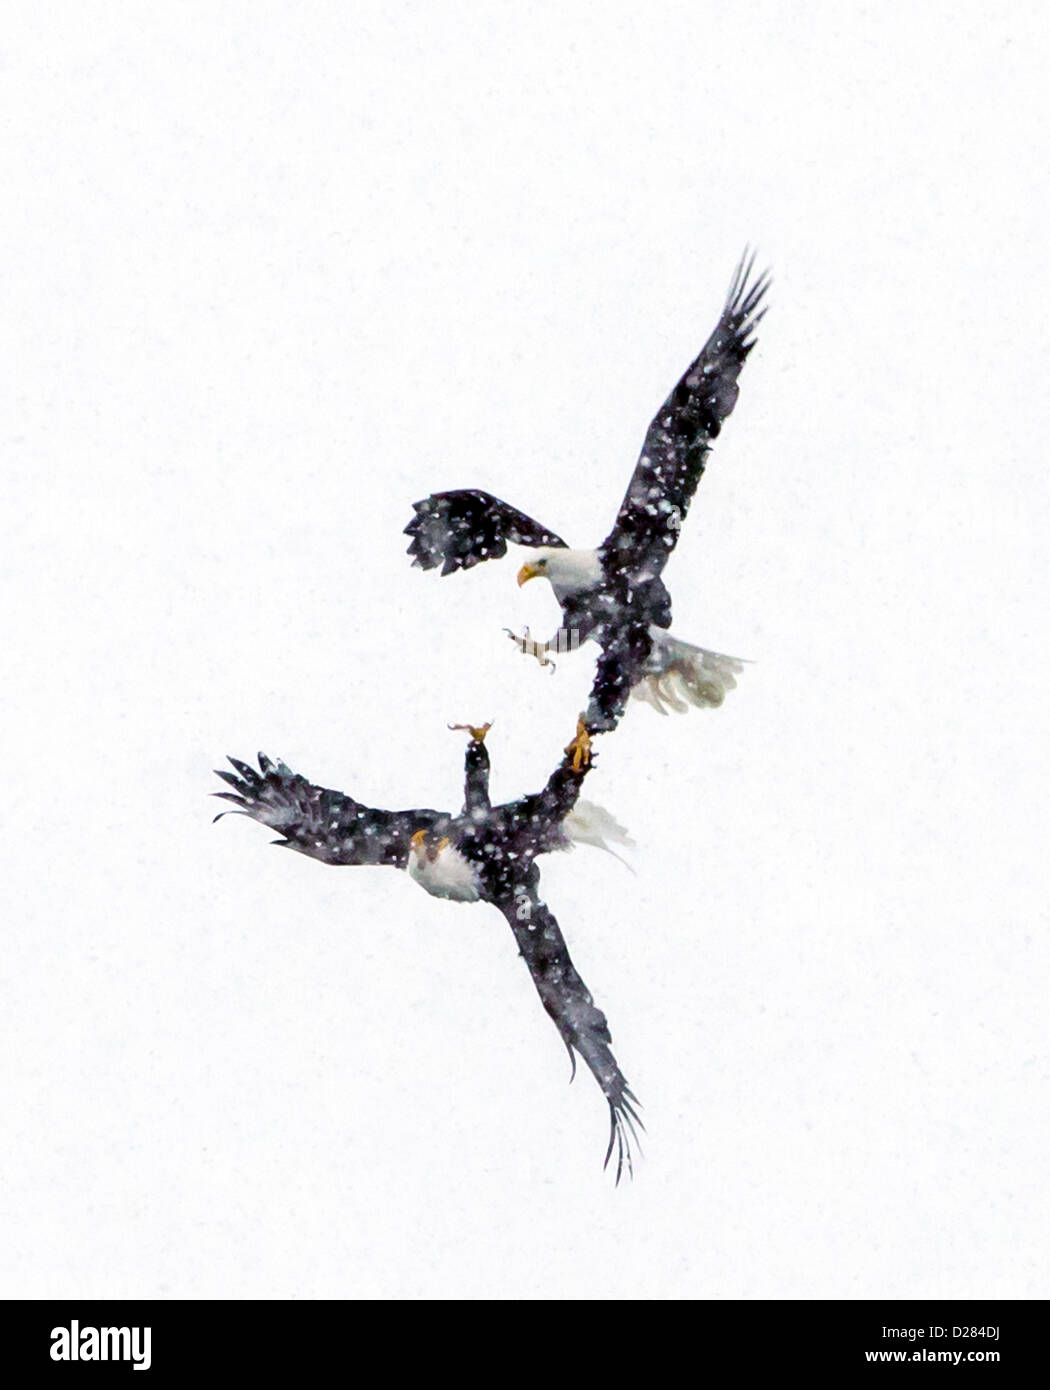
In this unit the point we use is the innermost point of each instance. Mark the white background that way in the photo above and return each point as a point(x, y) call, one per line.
point(270, 272)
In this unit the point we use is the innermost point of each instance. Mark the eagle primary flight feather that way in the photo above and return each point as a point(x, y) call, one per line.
point(486, 853)
point(615, 595)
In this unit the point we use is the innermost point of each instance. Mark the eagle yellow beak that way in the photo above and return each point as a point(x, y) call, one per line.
point(528, 572)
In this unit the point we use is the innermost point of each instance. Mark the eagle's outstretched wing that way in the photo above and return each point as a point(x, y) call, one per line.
point(680, 435)
point(459, 529)
point(323, 824)
point(580, 1022)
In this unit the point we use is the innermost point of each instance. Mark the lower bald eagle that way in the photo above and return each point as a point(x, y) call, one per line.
point(614, 595)
point(485, 854)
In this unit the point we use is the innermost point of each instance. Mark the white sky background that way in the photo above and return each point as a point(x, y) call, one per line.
point(270, 273)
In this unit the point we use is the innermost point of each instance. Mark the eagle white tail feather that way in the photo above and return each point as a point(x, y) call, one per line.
point(588, 824)
point(679, 675)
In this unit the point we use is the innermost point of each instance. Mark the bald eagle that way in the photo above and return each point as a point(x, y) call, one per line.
point(614, 595)
point(485, 854)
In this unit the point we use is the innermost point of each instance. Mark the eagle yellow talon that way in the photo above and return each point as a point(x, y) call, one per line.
point(528, 647)
point(580, 747)
point(477, 732)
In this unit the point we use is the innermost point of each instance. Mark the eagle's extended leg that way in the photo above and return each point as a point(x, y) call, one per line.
point(580, 747)
point(475, 770)
point(538, 649)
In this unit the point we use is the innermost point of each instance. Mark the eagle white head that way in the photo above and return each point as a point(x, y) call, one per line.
point(569, 571)
point(437, 865)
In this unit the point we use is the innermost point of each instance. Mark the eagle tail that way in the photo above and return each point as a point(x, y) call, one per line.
point(678, 675)
point(590, 824)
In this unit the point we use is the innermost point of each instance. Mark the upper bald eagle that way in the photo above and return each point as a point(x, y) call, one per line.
point(487, 853)
point(614, 595)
